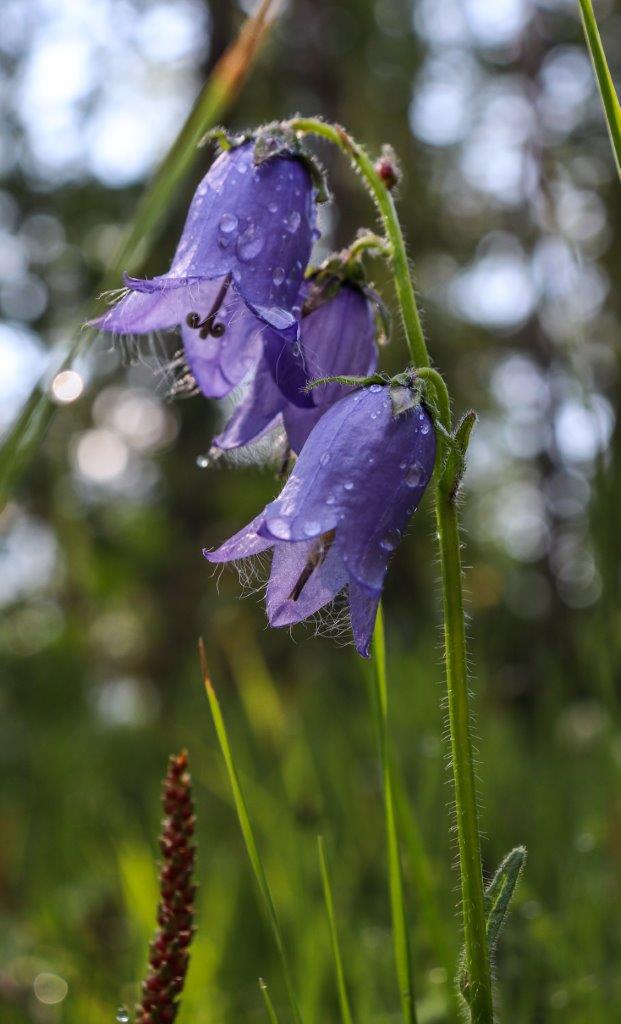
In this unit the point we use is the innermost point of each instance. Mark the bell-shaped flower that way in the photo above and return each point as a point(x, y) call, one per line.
point(343, 510)
point(234, 282)
point(337, 337)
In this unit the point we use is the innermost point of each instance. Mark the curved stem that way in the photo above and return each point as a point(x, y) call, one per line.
point(479, 988)
point(370, 242)
point(442, 395)
point(385, 204)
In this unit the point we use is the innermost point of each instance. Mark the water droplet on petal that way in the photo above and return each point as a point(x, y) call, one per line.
point(375, 388)
point(272, 207)
point(228, 223)
point(349, 485)
point(312, 527)
point(278, 276)
point(292, 221)
point(280, 527)
point(424, 427)
point(122, 1015)
point(250, 243)
point(325, 458)
point(403, 464)
point(415, 475)
point(391, 540)
point(330, 499)
point(276, 317)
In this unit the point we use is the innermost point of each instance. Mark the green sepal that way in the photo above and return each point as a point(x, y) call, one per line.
point(349, 382)
point(224, 139)
point(277, 139)
point(403, 397)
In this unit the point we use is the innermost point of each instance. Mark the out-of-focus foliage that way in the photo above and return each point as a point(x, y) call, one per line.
point(510, 203)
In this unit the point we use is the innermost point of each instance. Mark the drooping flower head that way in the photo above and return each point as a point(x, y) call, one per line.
point(343, 510)
point(337, 337)
point(234, 281)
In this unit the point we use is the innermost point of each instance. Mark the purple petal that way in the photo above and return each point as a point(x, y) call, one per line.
point(290, 562)
point(362, 610)
point(363, 471)
point(288, 370)
point(157, 306)
point(256, 412)
point(337, 338)
point(243, 544)
point(219, 362)
point(253, 221)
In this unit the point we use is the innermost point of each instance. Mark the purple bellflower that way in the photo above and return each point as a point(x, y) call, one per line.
point(235, 278)
point(337, 336)
point(343, 510)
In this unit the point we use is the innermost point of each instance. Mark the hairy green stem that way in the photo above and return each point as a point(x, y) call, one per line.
point(392, 226)
point(479, 989)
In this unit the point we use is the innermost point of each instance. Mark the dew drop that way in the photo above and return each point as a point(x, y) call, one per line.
point(415, 475)
point(325, 458)
point(122, 1015)
point(311, 527)
point(371, 459)
point(250, 243)
point(403, 464)
point(292, 221)
point(330, 499)
point(391, 540)
point(349, 485)
point(228, 223)
point(280, 527)
point(424, 427)
point(278, 276)
point(203, 461)
point(273, 207)
point(375, 388)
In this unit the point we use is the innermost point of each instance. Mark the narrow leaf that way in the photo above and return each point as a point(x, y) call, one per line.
point(346, 1015)
point(401, 939)
point(247, 831)
point(610, 100)
point(267, 999)
point(498, 896)
point(499, 893)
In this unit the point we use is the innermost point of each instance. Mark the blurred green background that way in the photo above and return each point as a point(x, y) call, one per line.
point(512, 211)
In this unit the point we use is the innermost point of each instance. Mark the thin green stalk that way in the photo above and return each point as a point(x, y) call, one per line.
point(248, 834)
point(400, 932)
point(267, 999)
point(473, 909)
point(610, 100)
point(346, 1014)
point(479, 989)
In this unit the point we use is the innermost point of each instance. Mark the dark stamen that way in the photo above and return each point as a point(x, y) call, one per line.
point(208, 325)
point(315, 559)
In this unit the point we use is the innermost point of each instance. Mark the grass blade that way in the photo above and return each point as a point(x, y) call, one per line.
point(247, 831)
point(217, 96)
point(336, 948)
point(610, 100)
point(267, 999)
point(401, 940)
point(424, 883)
